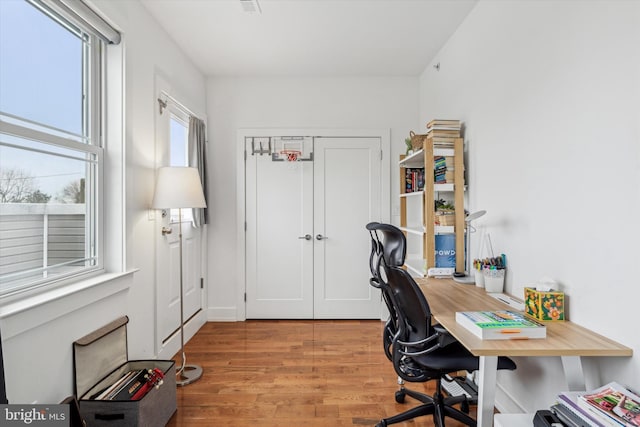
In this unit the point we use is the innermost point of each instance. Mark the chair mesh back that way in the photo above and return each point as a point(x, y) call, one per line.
point(410, 304)
point(395, 244)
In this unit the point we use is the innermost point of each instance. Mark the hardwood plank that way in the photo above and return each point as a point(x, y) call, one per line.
point(275, 373)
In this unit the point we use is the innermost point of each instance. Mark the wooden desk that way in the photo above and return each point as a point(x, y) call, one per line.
point(564, 339)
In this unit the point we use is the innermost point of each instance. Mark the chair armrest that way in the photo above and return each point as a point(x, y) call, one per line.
point(420, 344)
point(442, 337)
point(445, 338)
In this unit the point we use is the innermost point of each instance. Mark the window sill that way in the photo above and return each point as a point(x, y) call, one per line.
point(27, 313)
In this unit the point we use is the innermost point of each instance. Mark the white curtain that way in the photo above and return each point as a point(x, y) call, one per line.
point(198, 159)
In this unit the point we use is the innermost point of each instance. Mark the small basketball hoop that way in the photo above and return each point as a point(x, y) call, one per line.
point(290, 155)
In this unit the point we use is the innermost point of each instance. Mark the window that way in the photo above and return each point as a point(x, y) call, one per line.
point(51, 153)
point(179, 151)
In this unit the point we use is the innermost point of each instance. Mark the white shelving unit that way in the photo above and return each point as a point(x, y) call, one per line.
point(417, 212)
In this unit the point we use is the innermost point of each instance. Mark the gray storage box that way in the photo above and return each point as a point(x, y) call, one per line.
point(99, 360)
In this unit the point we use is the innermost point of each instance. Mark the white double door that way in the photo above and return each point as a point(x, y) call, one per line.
point(307, 249)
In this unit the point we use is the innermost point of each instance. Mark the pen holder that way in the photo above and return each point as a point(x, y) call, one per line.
point(493, 280)
point(479, 278)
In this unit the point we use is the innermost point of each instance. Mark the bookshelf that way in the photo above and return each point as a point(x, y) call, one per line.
point(418, 192)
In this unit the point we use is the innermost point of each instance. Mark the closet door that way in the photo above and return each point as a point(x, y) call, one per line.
point(279, 211)
point(347, 193)
point(307, 250)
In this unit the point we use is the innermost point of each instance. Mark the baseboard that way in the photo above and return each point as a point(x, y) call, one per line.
point(221, 314)
point(172, 345)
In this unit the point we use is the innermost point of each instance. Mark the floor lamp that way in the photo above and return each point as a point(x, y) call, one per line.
point(468, 276)
point(180, 187)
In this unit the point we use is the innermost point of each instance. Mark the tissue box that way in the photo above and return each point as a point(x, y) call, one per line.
point(544, 305)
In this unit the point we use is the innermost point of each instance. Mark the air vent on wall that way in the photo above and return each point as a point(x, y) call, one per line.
point(250, 6)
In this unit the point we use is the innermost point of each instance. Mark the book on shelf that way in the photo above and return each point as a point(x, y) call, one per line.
point(443, 133)
point(500, 325)
point(414, 180)
point(613, 405)
point(443, 122)
point(443, 138)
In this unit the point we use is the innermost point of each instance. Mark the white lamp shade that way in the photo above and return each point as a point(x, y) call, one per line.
point(178, 187)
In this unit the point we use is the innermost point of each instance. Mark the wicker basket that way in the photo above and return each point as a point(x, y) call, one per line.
point(416, 140)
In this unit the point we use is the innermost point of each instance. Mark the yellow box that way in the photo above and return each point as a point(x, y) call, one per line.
point(544, 305)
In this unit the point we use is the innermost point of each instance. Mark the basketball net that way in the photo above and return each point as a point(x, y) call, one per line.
point(291, 155)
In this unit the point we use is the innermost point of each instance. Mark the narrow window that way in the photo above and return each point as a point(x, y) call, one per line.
point(178, 156)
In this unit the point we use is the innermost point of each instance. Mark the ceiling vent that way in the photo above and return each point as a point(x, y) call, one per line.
point(250, 6)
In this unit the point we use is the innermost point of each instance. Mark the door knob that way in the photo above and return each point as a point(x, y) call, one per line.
point(166, 230)
point(321, 237)
point(305, 237)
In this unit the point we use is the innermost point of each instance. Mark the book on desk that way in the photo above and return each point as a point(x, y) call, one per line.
point(500, 325)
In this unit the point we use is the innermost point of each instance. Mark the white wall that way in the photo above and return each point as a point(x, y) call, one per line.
point(235, 103)
point(550, 95)
point(38, 356)
point(151, 57)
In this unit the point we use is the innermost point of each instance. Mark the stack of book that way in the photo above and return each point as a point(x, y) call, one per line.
point(440, 173)
point(611, 405)
point(443, 132)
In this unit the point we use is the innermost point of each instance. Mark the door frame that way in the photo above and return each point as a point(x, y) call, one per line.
point(166, 349)
point(385, 185)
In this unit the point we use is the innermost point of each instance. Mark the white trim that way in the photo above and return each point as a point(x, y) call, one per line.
point(221, 314)
point(385, 142)
point(22, 315)
point(171, 346)
point(166, 347)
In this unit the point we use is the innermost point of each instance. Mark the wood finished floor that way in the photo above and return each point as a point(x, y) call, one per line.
point(292, 373)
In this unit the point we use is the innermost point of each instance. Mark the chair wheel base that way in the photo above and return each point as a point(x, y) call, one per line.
point(400, 395)
point(382, 423)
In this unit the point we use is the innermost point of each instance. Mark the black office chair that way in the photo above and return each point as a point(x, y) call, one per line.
point(422, 352)
point(396, 249)
point(393, 250)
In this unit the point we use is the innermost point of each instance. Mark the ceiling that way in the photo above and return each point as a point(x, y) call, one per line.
point(311, 38)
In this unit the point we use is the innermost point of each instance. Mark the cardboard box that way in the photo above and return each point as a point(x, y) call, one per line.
point(99, 360)
point(445, 218)
point(544, 305)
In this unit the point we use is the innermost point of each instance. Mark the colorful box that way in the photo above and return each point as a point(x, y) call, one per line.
point(544, 305)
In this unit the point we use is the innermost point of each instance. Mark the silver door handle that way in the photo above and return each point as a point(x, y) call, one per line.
point(305, 237)
point(321, 237)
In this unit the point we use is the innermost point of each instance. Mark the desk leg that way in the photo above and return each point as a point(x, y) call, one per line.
point(573, 373)
point(487, 390)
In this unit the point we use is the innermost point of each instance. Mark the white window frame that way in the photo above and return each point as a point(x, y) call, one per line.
point(177, 114)
point(89, 143)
